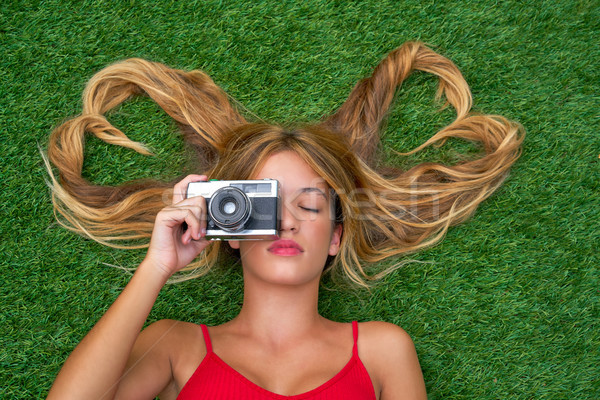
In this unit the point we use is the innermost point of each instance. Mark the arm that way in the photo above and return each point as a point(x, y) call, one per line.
point(96, 366)
point(391, 359)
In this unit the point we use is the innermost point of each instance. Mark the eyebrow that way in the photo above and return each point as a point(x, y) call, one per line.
point(312, 190)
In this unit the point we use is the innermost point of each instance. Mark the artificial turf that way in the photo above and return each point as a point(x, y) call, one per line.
point(507, 306)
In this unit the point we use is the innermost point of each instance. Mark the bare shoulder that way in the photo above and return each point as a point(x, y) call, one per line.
point(165, 336)
point(389, 354)
point(382, 344)
point(162, 355)
point(379, 335)
point(179, 342)
point(169, 330)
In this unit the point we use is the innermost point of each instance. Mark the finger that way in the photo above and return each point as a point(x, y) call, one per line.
point(191, 232)
point(180, 189)
point(200, 245)
point(195, 219)
point(198, 206)
point(185, 219)
point(175, 216)
point(196, 201)
point(192, 221)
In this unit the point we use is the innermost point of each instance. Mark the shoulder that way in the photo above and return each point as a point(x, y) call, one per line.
point(381, 341)
point(389, 355)
point(375, 331)
point(162, 357)
point(166, 335)
point(178, 342)
point(168, 329)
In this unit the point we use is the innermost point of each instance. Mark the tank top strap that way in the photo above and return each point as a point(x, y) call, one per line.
point(207, 342)
point(355, 336)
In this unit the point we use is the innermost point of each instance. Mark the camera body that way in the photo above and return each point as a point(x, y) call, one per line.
point(240, 210)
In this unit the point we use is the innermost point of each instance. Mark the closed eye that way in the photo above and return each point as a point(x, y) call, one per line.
point(314, 210)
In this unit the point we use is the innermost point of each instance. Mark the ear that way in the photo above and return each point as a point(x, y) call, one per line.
point(234, 244)
point(336, 239)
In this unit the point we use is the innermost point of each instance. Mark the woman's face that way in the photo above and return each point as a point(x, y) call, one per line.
point(307, 236)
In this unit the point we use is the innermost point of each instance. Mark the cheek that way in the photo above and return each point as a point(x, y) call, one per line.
point(249, 250)
point(320, 232)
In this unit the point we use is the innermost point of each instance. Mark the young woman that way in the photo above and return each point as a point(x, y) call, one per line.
point(339, 214)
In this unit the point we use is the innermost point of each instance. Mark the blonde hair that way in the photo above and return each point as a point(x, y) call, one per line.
point(385, 211)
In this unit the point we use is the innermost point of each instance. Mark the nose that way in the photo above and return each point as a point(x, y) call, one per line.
point(289, 222)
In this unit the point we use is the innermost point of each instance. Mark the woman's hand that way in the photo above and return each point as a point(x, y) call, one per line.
point(179, 230)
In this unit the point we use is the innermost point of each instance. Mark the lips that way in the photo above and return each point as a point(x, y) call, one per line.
point(285, 247)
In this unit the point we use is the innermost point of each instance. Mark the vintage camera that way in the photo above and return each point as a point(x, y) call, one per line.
point(240, 210)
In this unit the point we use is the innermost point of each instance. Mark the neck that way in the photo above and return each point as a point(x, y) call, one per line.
point(279, 313)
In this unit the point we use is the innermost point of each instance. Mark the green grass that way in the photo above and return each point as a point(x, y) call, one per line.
point(508, 306)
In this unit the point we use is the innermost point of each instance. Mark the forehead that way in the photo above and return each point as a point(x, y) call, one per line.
point(292, 172)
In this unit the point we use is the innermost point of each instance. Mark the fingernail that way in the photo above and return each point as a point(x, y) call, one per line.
point(203, 232)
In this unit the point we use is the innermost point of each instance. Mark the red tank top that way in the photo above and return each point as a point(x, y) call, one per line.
point(216, 380)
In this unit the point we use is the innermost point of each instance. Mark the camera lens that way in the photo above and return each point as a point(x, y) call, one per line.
point(229, 208)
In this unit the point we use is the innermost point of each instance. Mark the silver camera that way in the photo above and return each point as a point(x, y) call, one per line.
point(240, 210)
